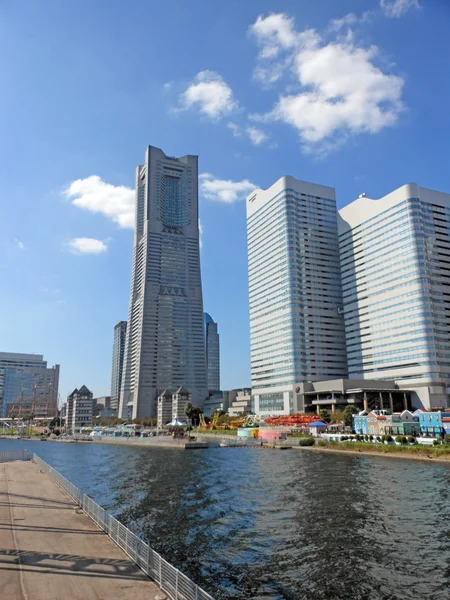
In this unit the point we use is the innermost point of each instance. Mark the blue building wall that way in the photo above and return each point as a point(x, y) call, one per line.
point(361, 425)
point(431, 423)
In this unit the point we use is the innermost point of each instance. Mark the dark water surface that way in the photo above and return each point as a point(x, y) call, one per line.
point(296, 525)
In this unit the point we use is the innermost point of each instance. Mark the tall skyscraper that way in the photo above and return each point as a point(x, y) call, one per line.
point(296, 329)
point(212, 343)
point(120, 332)
point(28, 385)
point(165, 346)
point(395, 260)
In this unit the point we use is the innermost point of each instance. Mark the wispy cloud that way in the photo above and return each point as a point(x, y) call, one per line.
point(19, 244)
point(342, 91)
point(257, 136)
point(397, 8)
point(210, 94)
point(117, 202)
point(222, 190)
point(87, 246)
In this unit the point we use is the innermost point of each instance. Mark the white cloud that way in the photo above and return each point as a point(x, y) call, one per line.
point(116, 202)
point(257, 136)
point(20, 244)
point(222, 190)
point(210, 94)
point(87, 246)
point(349, 20)
point(235, 129)
point(341, 90)
point(397, 8)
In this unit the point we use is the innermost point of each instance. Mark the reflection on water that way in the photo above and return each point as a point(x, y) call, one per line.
point(295, 525)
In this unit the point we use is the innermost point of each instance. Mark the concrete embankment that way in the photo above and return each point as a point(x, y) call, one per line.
point(50, 549)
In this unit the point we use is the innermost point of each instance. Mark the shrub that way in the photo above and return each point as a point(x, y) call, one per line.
point(389, 438)
point(411, 439)
point(357, 437)
point(371, 437)
point(398, 439)
point(383, 438)
point(344, 438)
point(322, 443)
point(306, 441)
point(436, 442)
point(366, 437)
point(378, 438)
point(404, 440)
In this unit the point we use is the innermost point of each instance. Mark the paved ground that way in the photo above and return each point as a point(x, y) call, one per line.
point(51, 550)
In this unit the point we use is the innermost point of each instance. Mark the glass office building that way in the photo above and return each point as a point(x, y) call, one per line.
point(296, 325)
point(165, 345)
point(120, 332)
point(212, 345)
point(395, 262)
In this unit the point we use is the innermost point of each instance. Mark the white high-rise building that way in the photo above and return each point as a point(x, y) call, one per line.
point(165, 345)
point(395, 262)
point(296, 325)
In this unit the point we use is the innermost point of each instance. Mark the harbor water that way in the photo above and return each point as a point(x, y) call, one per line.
point(248, 523)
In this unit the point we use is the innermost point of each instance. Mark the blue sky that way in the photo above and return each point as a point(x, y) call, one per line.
point(351, 94)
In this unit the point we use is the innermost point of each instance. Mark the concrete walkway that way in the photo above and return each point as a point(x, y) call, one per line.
point(51, 550)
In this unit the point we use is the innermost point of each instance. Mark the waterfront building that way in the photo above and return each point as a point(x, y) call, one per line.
point(338, 393)
point(434, 423)
point(164, 415)
point(360, 423)
point(395, 264)
point(296, 325)
point(165, 345)
point(27, 386)
point(212, 347)
point(120, 332)
point(79, 409)
point(180, 399)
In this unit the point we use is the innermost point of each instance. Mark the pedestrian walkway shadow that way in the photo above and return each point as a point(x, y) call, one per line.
point(49, 529)
point(69, 564)
point(27, 497)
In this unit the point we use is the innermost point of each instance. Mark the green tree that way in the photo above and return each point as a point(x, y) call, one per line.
point(324, 415)
point(188, 410)
point(348, 413)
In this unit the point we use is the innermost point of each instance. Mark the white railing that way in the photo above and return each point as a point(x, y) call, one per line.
point(170, 580)
point(9, 455)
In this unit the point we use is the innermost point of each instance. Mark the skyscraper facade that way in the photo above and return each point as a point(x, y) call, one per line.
point(296, 329)
point(27, 385)
point(120, 332)
point(165, 346)
point(212, 343)
point(395, 261)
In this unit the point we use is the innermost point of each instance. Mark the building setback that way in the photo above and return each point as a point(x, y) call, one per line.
point(27, 385)
point(212, 343)
point(296, 329)
point(165, 346)
point(395, 262)
point(120, 332)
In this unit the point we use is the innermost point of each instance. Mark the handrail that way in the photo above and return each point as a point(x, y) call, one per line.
point(170, 580)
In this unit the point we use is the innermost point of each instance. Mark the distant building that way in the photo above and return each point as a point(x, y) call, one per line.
point(296, 327)
point(102, 407)
point(241, 403)
point(120, 332)
point(165, 345)
point(212, 345)
point(395, 263)
point(172, 405)
point(79, 409)
point(27, 386)
point(218, 401)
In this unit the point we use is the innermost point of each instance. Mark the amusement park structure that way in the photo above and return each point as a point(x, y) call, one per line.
point(292, 421)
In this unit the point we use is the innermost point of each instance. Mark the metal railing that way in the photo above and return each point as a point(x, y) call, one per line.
point(170, 580)
point(9, 455)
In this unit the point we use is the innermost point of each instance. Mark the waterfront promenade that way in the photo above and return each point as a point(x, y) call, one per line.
point(50, 549)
